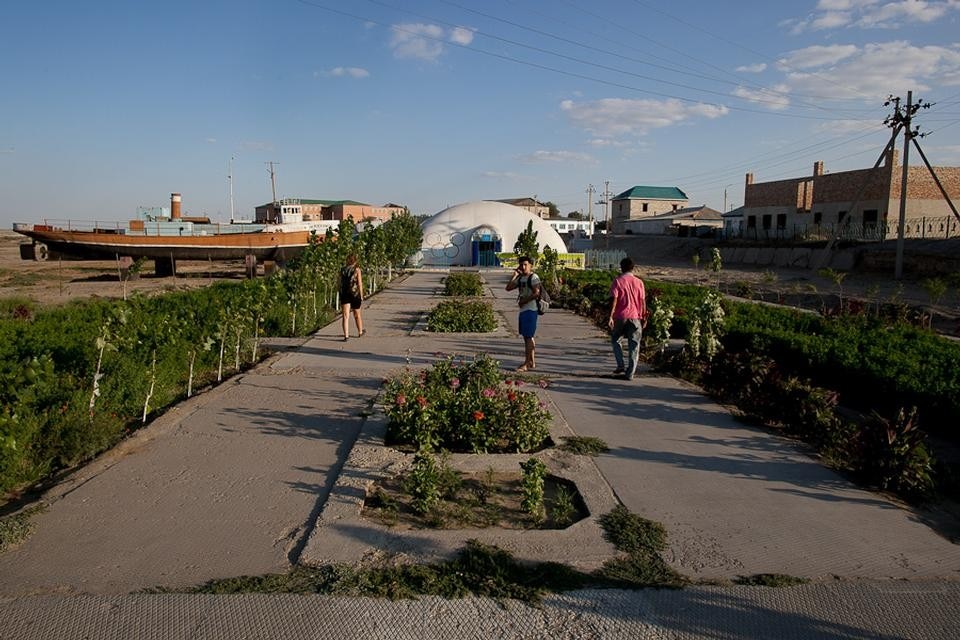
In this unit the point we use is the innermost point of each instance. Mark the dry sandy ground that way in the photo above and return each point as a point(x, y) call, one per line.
point(59, 281)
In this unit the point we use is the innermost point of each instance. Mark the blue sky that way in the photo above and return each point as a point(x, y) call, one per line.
point(109, 105)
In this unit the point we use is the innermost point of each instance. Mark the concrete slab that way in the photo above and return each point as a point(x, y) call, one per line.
point(750, 255)
point(765, 256)
point(800, 257)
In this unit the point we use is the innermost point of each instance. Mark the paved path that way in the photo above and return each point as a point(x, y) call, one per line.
point(231, 482)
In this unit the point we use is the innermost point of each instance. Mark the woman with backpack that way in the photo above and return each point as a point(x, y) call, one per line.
point(351, 295)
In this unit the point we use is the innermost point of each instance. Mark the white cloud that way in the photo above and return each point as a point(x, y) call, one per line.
point(831, 20)
point(461, 35)
point(816, 56)
point(211, 141)
point(875, 70)
point(8, 150)
point(353, 72)
point(425, 41)
point(616, 117)
point(870, 14)
point(753, 68)
point(890, 15)
point(775, 98)
point(542, 157)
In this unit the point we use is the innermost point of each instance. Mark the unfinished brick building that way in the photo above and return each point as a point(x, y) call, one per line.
point(822, 205)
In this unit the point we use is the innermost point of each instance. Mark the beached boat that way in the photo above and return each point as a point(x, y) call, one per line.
point(167, 236)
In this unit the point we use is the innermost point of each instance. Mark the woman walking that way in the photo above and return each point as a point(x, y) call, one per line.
point(351, 295)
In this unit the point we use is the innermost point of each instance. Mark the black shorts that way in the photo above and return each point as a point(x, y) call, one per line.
point(346, 297)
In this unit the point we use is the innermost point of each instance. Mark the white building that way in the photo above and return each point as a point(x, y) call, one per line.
point(472, 233)
point(569, 225)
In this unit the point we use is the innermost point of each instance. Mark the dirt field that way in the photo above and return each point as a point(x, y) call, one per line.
point(59, 281)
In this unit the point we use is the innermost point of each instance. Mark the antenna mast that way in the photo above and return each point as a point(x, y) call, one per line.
point(273, 180)
point(230, 178)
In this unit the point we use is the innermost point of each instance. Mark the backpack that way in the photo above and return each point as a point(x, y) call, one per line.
point(349, 281)
point(543, 301)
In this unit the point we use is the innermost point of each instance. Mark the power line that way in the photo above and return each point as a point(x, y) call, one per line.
point(673, 69)
point(561, 71)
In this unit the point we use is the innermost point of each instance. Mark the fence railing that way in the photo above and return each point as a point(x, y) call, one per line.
point(930, 228)
point(603, 258)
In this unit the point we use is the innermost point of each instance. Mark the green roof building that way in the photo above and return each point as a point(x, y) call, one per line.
point(642, 202)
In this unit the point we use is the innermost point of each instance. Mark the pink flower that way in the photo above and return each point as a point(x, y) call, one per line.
point(489, 393)
point(401, 399)
point(541, 405)
point(543, 383)
point(455, 383)
point(421, 401)
point(478, 415)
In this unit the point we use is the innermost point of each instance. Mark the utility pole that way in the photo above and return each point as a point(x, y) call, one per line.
point(590, 192)
point(606, 215)
point(907, 135)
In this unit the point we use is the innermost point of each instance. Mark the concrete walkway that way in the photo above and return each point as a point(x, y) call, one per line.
point(231, 483)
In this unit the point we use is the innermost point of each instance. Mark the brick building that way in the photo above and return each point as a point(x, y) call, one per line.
point(532, 205)
point(329, 210)
point(822, 205)
point(638, 203)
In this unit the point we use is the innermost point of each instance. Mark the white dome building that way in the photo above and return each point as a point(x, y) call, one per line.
point(472, 233)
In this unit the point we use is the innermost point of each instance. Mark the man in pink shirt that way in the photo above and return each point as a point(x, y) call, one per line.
point(628, 317)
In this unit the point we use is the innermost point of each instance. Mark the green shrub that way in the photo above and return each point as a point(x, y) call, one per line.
point(531, 484)
point(459, 316)
point(460, 283)
point(464, 407)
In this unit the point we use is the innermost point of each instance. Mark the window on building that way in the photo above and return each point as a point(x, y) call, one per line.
point(646, 206)
point(767, 220)
point(781, 221)
point(675, 207)
point(841, 215)
point(751, 222)
point(817, 217)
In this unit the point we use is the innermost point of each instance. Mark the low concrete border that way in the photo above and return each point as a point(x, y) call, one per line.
point(342, 535)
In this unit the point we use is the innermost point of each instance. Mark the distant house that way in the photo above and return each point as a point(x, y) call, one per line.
point(644, 202)
point(532, 205)
point(689, 221)
point(329, 210)
point(825, 205)
point(571, 225)
point(733, 223)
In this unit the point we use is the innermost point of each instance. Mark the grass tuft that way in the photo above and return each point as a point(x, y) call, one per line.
point(17, 528)
point(770, 580)
point(584, 445)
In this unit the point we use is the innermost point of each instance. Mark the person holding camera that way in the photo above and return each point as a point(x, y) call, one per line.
point(528, 285)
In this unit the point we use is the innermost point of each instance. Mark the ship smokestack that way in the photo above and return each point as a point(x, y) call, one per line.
point(175, 206)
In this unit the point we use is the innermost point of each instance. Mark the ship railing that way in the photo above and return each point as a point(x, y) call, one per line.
point(100, 226)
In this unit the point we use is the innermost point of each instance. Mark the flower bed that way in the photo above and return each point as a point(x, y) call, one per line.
point(467, 407)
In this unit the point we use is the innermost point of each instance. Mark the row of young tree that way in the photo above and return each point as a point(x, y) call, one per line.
point(75, 379)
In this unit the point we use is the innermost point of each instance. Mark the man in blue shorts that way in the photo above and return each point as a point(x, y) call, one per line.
point(528, 284)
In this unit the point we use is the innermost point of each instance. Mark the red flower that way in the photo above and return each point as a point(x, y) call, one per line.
point(478, 415)
point(511, 396)
point(421, 401)
point(401, 400)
